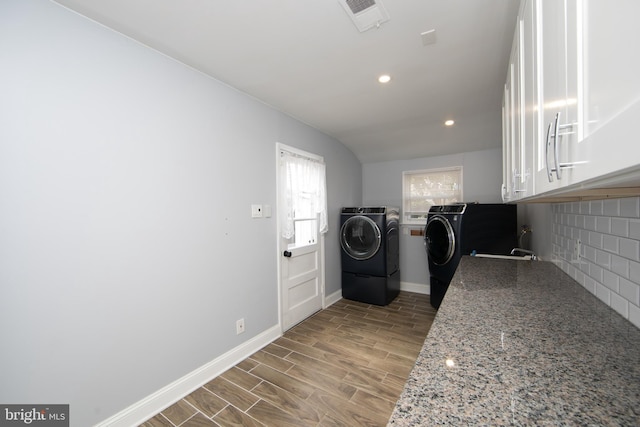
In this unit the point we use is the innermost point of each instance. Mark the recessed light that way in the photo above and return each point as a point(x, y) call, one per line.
point(385, 78)
point(449, 123)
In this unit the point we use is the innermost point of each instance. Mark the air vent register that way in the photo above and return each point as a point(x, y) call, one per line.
point(365, 14)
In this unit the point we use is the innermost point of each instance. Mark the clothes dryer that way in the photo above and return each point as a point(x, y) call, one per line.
point(459, 229)
point(369, 241)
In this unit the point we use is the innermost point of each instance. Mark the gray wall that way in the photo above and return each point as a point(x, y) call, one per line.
point(127, 250)
point(382, 185)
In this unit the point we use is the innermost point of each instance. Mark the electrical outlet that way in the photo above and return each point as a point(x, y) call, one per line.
point(256, 211)
point(239, 326)
point(577, 248)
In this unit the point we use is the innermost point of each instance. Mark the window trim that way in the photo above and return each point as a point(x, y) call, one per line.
point(422, 221)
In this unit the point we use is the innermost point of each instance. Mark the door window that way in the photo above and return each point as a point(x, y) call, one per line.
point(440, 240)
point(303, 196)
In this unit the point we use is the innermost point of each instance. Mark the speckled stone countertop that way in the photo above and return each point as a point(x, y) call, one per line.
point(519, 343)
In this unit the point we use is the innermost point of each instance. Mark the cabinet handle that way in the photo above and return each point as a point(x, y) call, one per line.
point(555, 147)
point(503, 191)
point(546, 154)
point(556, 133)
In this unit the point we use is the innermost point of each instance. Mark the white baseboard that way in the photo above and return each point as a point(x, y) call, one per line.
point(333, 298)
point(151, 405)
point(418, 288)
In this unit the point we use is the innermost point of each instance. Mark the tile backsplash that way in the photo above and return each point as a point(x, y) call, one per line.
point(608, 264)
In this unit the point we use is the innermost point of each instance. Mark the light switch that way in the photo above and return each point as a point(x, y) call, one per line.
point(266, 212)
point(256, 211)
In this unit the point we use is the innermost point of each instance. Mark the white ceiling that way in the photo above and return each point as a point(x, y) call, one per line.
point(307, 59)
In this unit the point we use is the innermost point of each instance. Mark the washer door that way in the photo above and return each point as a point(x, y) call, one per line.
point(360, 237)
point(440, 240)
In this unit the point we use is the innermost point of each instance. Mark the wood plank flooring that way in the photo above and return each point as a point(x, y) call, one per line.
point(344, 366)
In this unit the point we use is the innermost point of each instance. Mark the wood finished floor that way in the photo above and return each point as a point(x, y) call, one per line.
point(344, 366)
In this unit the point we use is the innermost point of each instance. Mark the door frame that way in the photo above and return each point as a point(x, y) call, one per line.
point(279, 249)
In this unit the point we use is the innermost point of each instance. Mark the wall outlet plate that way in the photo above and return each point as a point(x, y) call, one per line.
point(239, 326)
point(256, 211)
point(577, 248)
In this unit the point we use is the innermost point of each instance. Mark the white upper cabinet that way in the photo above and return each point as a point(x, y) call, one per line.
point(611, 49)
point(507, 171)
point(517, 157)
point(572, 123)
point(561, 82)
point(530, 96)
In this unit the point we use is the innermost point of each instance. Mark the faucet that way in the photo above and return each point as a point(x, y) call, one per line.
point(524, 251)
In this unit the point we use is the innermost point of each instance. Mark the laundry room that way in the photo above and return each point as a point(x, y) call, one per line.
point(161, 264)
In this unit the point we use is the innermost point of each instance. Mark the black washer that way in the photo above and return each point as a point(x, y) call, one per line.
point(459, 229)
point(369, 241)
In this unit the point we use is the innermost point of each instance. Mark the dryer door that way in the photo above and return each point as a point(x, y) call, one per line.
point(440, 240)
point(360, 237)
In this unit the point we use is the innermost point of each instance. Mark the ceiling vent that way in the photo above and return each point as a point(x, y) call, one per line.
point(365, 14)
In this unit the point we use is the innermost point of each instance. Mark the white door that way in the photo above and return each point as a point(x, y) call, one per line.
point(301, 256)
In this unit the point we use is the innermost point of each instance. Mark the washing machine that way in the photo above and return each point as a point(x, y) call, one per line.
point(369, 242)
point(459, 229)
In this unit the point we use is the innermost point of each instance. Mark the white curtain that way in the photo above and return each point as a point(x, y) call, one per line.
point(303, 192)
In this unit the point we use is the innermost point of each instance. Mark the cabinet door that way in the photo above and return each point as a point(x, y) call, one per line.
point(516, 110)
point(506, 142)
point(529, 100)
point(509, 136)
point(561, 69)
point(612, 88)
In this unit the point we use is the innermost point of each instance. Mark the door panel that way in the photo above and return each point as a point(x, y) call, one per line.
point(300, 278)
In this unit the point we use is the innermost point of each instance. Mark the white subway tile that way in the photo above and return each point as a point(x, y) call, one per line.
point(620, 266)
point(575, 233)
point(596, 207)
point(630, 291)
point(579, 277)
point(584, 267)
point(575, 207)
point(609, 265)
point(590, 284)
point(595, 272)
point(589, 253)
point(634, 315)
point(595, 240)
point(610, 243)
point(603, 293)
point(610, 280)
point(603, 224)
point(634, 271)
point(603, 259)
point(620, 305)
point(590, 223)
point(584, 236)
point(611, 207)
point(634, 229)
point(629, 249)
point(585, 208)
point(620, 227)
point(630, 207)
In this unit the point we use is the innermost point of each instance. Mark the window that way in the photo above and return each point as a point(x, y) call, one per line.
point(426, 188)
point(303, 198)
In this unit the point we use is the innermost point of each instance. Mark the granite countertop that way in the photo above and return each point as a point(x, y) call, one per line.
point(521, 343)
